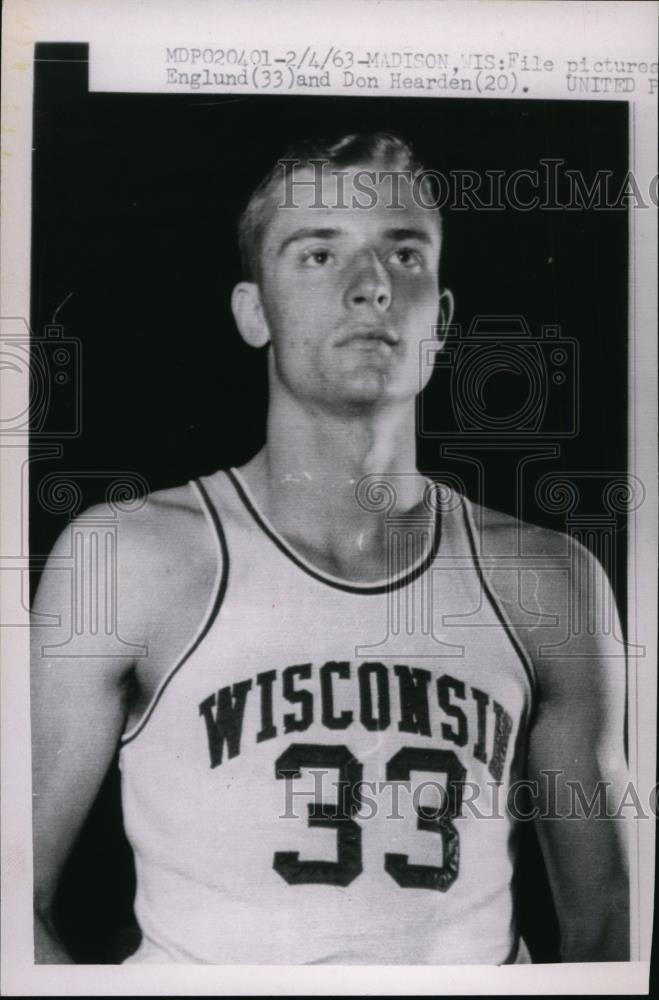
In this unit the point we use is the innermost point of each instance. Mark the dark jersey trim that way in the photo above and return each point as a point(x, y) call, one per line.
point(217, 604)
point(351, 588)
point(494, 601)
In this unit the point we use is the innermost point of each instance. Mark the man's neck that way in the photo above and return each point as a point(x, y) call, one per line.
point(317, 477)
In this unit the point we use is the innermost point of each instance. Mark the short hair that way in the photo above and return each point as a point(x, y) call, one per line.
point(386, 148)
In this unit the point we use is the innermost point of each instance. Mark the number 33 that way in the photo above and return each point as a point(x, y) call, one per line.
point(339, 817)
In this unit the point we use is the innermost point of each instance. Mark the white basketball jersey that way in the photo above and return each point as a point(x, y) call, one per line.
point(322, 776)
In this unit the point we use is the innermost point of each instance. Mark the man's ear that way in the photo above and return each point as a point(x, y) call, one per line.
point(247, 309)
point(446, 309)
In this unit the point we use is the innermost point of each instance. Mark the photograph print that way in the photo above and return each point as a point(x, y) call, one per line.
point(329, 494)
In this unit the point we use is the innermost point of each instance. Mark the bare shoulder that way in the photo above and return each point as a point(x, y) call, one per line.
point(557, 596)
point(506, 535)
point(558, 563)
point(163, 560)
point(166, 523)
point(167, 554)
point(155, 533)
point(151, 572)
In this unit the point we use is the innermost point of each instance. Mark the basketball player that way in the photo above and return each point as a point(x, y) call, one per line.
point(320, 749)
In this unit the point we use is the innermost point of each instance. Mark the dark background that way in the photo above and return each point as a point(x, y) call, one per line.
point(136, 199)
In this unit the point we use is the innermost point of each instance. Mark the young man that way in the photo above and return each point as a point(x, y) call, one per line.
point(320, 749)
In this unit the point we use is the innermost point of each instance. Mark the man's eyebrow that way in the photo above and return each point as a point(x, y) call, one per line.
point(409, 234)
point(308, 233)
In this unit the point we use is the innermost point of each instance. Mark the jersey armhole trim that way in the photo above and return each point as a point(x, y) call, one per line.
point(500, 612)
point(212, 611)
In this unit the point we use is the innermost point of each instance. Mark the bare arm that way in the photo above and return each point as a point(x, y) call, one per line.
point(78, 711)
point(164, 577)
point(579, 734)
point(576, 752)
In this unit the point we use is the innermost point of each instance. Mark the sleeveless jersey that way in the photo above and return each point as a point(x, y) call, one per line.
point(322, 776)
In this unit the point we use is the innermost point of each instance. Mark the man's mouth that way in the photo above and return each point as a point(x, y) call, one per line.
point(371, 335)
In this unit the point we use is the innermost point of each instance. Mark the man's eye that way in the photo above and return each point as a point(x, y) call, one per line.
point(316, 258)
point(408, 257)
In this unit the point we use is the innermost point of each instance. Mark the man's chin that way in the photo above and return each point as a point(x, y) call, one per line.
point(369, 393)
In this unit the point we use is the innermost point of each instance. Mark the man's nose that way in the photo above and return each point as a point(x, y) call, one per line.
point(370, 284)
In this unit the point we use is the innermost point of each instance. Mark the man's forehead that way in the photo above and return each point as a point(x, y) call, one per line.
point(367, 184)
point(367, 195)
